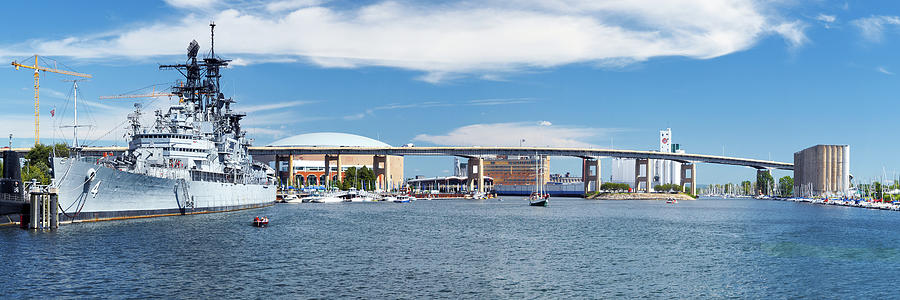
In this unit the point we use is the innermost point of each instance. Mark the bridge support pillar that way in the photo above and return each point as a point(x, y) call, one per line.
point(689, 177)
point(278, 170)
point(475, 175)
point(590, 174)
point(290, 180)
point(382, 165)
point(642, 171)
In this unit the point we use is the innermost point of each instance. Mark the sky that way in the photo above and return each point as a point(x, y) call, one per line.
point(744, 78)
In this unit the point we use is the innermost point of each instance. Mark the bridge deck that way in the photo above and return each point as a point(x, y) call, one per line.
point(474, 151)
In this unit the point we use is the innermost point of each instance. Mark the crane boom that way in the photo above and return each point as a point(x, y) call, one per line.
point(37, 88)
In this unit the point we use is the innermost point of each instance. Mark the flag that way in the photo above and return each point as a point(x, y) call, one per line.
point(53, 112)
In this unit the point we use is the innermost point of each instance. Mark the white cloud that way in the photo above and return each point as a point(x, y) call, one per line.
point(872, 28)
point(792, 33)
point(500, 101)
point(355, 116)
point(448, 40)
point(269, 106)
point(826, 18)
point(427, 104)
point(884, 71)
point(545, 123)
point(48, 92)
point(192, 4)
point(291, 5)
point(260, 131)
point(511, 134)
point(107, 122)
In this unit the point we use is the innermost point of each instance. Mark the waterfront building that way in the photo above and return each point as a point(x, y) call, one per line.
point(515, 170)
point(622, 171)
point(321, 170)
point(565, 178)
point(446, 185)
point(822, 170)
point(667, 171)
point(460, 167)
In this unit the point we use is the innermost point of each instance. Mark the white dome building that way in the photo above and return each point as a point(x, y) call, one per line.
point(328, 139)
point(317, 171)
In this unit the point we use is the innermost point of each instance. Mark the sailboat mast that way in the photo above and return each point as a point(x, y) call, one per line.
point(75, 121)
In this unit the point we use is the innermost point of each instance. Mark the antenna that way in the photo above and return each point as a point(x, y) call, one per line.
point(75, 120)
point(212, 39)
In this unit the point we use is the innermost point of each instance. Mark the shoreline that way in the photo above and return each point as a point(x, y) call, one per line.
point(639, 196)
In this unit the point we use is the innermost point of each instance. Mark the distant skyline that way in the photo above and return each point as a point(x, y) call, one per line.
point(753, 79)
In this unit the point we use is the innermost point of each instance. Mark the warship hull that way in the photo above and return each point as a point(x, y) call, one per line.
point(92, 192)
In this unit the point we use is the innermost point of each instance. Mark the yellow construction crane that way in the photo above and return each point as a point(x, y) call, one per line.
point(37, 88)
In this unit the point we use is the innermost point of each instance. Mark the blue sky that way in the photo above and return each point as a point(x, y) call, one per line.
point(756, 79)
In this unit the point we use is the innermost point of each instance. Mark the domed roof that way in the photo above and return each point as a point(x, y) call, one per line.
point(328, 139)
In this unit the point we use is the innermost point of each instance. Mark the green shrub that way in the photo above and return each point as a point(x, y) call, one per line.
point(610, 186)
point(668, 187)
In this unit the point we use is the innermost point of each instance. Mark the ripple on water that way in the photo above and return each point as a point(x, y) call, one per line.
point(469, 249)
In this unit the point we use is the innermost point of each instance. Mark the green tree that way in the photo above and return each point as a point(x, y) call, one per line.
point(879, 193)
point(37, 164)
point(61, 150)
point(610, 186)
point(746, 187)
point(38, 171)
point(786, 186)
point(350, 179)
point(668, 187)
point(367, 178)
point(764, 182)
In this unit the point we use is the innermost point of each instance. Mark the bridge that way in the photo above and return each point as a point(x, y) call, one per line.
point(590, 156)
point(474, 152)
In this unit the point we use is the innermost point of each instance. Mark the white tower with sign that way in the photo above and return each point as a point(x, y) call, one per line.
point(666, 171)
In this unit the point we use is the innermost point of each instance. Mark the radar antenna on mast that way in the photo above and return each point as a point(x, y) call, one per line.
point(212, 39)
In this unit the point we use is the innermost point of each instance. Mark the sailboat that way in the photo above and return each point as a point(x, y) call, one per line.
point(538, 197)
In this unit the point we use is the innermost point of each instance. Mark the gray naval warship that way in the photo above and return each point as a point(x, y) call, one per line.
point(193, 159)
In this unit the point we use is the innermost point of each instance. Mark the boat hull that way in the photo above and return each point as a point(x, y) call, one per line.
point(540, 203)
point(91, 192)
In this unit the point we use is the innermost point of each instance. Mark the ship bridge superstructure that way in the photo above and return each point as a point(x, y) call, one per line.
point(198, 138)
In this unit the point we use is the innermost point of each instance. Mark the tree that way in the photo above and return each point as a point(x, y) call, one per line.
point(350, 179)
point(746, 187)
point(61, 150)
point(610, 186)
point(879, 193)
point(367, 178)
point(38, 171)
point(668, 187)
point(764, 182)
point(37, 162)
point(786, 186)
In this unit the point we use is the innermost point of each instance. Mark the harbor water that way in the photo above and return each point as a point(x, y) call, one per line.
point(491, 249)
